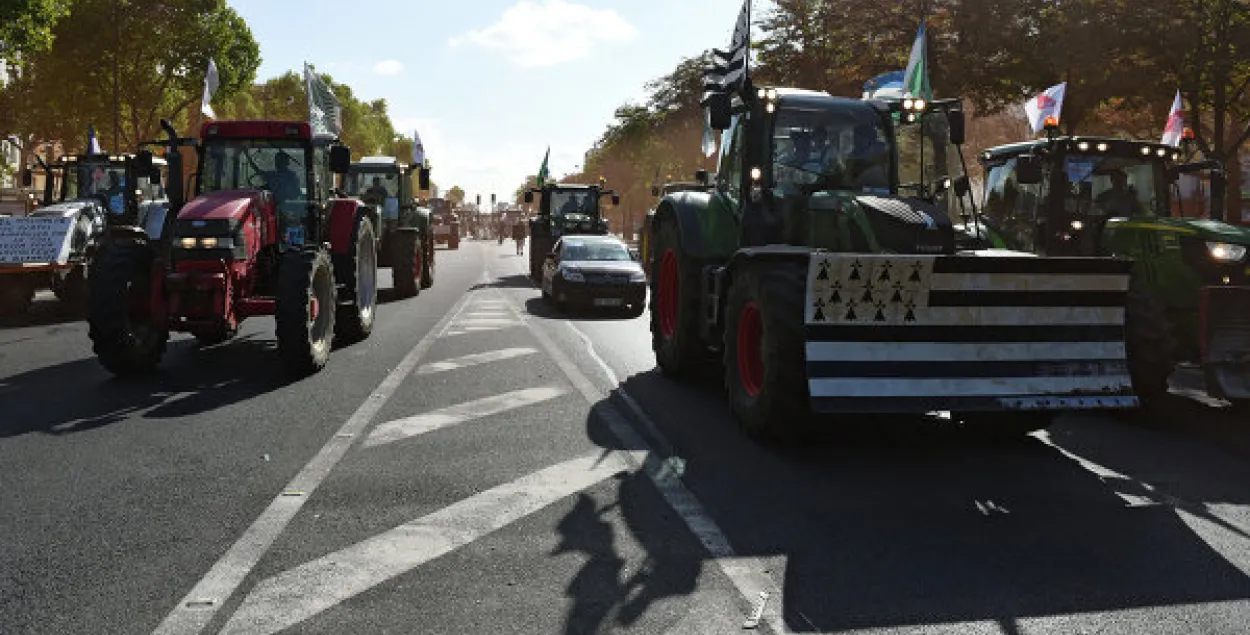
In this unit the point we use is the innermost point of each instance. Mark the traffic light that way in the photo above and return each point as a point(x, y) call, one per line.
point(479, 199)
point(492, 199)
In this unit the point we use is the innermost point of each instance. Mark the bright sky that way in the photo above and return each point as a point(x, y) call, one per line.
point(489, 84)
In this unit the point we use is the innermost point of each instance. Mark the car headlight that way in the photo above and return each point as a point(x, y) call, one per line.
point(572, 276)
point(637, 276)
point(1225, 252)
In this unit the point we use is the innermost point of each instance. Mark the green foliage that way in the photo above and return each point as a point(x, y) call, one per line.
point(455, 195)
point(26, 27)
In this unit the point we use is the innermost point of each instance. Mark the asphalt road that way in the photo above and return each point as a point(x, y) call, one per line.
point(485, 464)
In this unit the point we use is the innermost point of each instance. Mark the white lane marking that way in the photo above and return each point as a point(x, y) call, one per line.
point(475, 359)
point(198, 607)
point(300, 593)
point(493, 313)
point(746, 573)
point(487, 321)
point(407, 427)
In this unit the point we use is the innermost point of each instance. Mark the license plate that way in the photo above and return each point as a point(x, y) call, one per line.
point(609, 302)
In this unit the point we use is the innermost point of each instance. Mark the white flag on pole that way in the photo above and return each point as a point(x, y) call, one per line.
point(1176, 123)
point(211, 82)
point(418, 149)
point(1047, 104)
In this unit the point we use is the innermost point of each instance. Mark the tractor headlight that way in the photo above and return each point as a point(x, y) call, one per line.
point(206, 242)
point(1225, 252)
point(187, 243)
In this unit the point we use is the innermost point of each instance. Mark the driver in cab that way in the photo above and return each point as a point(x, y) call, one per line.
point(572, 206)
point(283, 181)
point(1120, 201)
point(377, 193)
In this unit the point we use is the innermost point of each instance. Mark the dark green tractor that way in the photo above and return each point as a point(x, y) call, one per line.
point(406, 239)
point(702, 183)
point(1091, 196)
point(565, 209)
point(821, 275)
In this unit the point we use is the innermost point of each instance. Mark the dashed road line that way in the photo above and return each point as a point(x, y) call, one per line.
point(409, 427)
point(472, 360)
point(311, 588)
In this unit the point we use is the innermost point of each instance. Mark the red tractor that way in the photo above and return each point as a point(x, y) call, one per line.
point(261, 235)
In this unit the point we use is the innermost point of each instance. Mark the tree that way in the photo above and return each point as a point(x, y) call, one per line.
point(26, 27)
point(455, 195)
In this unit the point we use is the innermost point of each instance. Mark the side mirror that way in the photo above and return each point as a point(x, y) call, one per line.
point(616, 199)
point(529, 197)
point(423, 179)
point(702, 176)
point(955, 120)
point(143, 163)
point(962, 186)
point(719, 111)
point(1028, 170)
point(340, 159)
point(635, 255)
point(28, 179)
point(155, 178)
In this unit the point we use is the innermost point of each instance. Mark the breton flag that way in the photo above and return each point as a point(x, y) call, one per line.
point(211, 82)
point(916, 77)
point(1176, 123)
point(1047, 104)
point(325, 115)
point(728, 72)
point(418, 149)
point(93, 142)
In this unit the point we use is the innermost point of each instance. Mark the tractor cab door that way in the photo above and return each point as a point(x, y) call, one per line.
point(1014, 208)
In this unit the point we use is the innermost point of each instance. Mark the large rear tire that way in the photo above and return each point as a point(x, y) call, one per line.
point(1149, 343)
point(764, 359)
point(675, 300)
point(124, 337)
point(359, 273)
point(407, 263)
point(427, 264)
point(305, 312)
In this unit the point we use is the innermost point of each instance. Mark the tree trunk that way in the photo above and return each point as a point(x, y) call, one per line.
point(1233, 203)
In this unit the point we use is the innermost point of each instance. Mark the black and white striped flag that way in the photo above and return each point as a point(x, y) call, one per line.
point(728, 70)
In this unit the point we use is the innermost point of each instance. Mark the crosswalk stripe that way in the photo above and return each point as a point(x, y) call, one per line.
point(420, 424)
point(486, 322)
point(311, 588)
point(474, 359)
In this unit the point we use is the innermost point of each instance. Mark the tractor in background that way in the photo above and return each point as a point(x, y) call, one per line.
point(1189, 304)
point(821, 276)
point(405, 233)
point(53, 246)
point(565, 209)
point(446, 223)
point(702, 183)
point(261, 235)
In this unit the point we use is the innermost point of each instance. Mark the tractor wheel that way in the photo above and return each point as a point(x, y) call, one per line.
point(72, 291)
point(17, 292)
point(305, 310)
point(764, 359)
point(354, 321)
point(124, 337)
point(1149, 343)
point(407, 263)
point(427, 263)
point(675, 299)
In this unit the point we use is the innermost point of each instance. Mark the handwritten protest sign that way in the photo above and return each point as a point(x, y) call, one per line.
point(35, 240)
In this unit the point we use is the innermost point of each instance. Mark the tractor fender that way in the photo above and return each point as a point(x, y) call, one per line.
point(724, 276)
point(343, 216)
point(685, 208)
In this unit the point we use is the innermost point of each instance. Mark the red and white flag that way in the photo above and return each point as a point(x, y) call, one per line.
point(1176, 123)
point(1047, 104)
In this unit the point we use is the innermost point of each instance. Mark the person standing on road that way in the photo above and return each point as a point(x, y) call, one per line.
point(518, 234)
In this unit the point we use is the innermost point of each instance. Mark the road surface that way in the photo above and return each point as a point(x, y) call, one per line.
point(485, 464)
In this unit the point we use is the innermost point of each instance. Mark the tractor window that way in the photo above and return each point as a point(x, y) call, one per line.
point(1012, 208)
point(729, 172)
point(574, 202)
point(370, 185)
point(97, 180)
point(838, 148)
point(321, 172)
point(923, 153)
point(237, 164)
point(1113, 186)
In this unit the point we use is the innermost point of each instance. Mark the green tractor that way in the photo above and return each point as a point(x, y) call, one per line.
point(406, 239)
point(821, 274)
point(702, 183)
point(1189, 303)
point(565, 209)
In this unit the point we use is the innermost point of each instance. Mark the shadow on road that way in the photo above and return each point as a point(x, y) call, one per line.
point(899, 526)
point(80, 395)
point(43, 312)
point(542, 309)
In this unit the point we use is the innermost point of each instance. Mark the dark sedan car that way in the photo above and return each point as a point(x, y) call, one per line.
point(594, 271)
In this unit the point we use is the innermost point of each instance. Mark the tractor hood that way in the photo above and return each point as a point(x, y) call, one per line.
point(897, 224)
point(1213, 230)
point(66, 209)
point(229, 205)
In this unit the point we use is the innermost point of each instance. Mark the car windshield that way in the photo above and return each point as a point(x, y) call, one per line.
point(234, 164)
point(371, 185)
point(595, 251)
point(574, 202)
point(1113, 186)
point(837, 148)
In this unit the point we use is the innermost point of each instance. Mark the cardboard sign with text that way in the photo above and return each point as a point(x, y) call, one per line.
point(35, 240)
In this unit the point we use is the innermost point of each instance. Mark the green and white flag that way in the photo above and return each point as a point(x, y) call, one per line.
point(916, 77)
point(325, 115)
point(543, 172)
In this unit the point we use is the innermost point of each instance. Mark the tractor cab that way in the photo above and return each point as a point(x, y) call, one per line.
point(805, 168)
point(106, 186)
point(386, 184)
point(565, 209)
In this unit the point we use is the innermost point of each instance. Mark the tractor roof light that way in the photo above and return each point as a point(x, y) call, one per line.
point(1145, 152)
point(1102, 147)
point(1162, 152)
point(756, 174)
point(1083, 146)
point(772, 94)
point(1188, 134)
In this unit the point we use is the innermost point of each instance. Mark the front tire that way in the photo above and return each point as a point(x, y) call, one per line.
point(407, 263)
point(354, 321)
point(675, 301)
point(305, 312)
point(764, 358)
point(124, 337)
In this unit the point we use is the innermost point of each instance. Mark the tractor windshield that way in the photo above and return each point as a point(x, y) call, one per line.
point(372, 187)
point(1113, 186)
point(574, 202)
point(237, 164)
point(833, 148)
point(923, 153)
point(98, 179)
